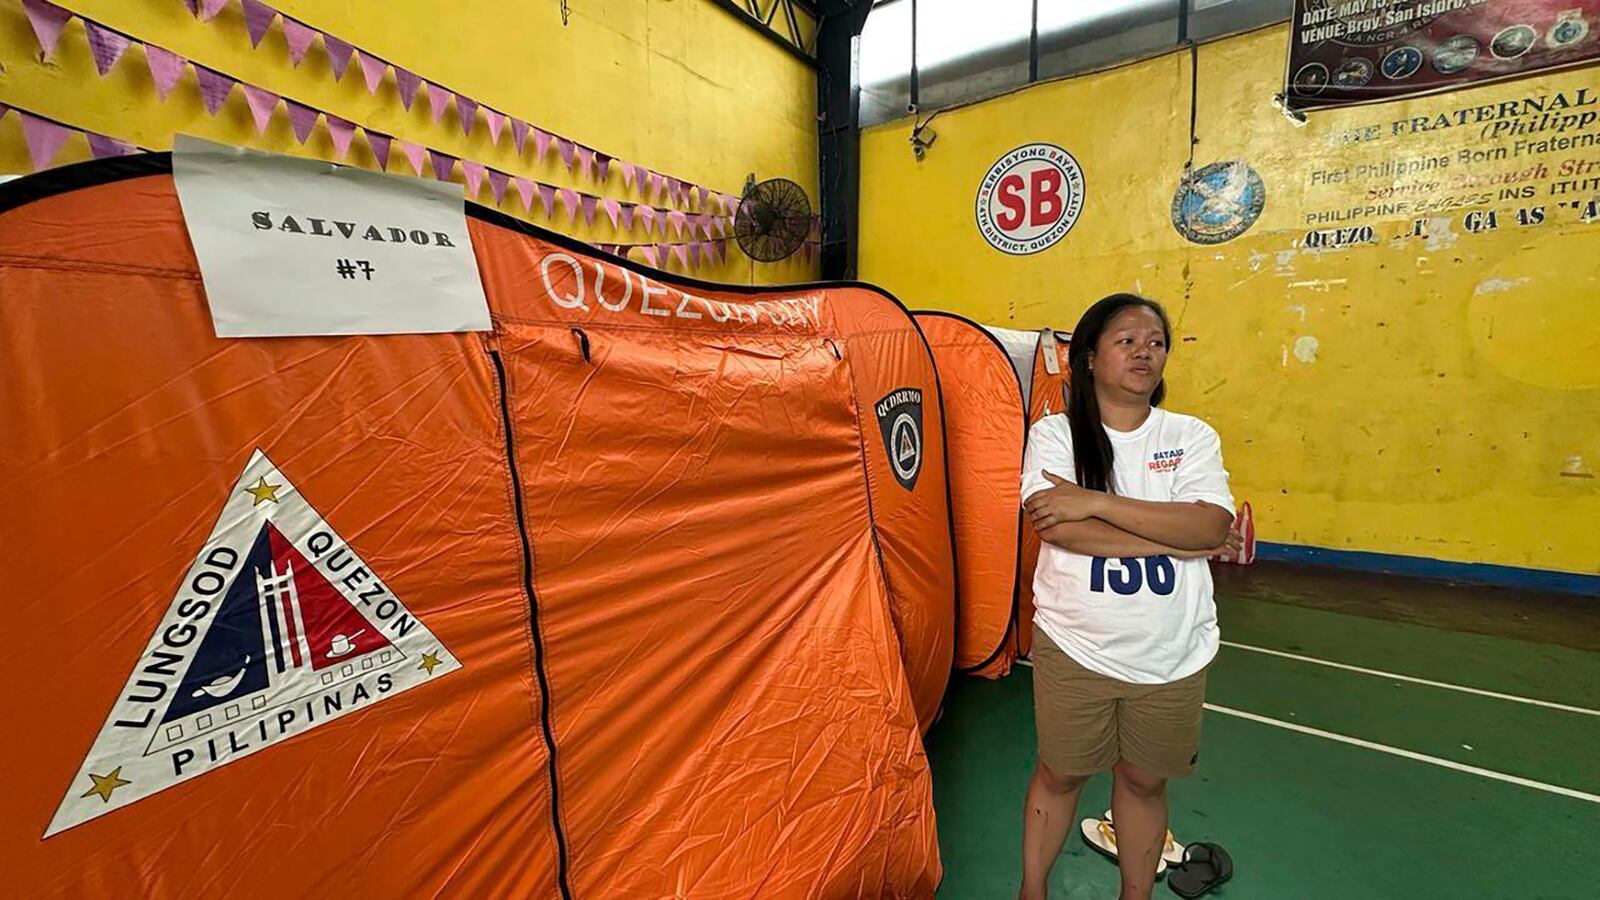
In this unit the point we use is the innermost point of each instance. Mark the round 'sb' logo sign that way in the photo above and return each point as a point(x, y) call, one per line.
point(1030, 199)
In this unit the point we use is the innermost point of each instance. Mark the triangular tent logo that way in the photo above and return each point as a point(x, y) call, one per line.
point(900, 420)
point(278, 627)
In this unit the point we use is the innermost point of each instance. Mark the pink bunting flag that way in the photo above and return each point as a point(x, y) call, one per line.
point(613, 211)
point(263, 103)
point(496, 122)
point(105, 46)
point(474, 172)
point(339, 54)
point(627, 175)
point(415, 154)
point(437, 98)
point(541, 144)
point(372, 69)
point(498, 182)
point(3, 110)
point(407, 83)
point(257, 19)
point(627, 216)
point(467, 112)
point(44, 139)
point(721, 225)
point(166, 68)
point(656, 184)
point(585, 162)
point(299, 37)
point(587, 203)
point(705, 193)
point(673, 187)
point(676, 219)
point(443, 164)
point(652, 255)
point(681, 255)
point(569, 200)
point(47, 20)
point(343, 132)
point(568, 151)
point(214, 88)
point(525, 190)
point(103, 147)
point(380, 148)
point(602, 167)
point(694, 255)
point(303, 119)
point(547, 199)
point(647, 215)
point(519, 134)
point(210, 8)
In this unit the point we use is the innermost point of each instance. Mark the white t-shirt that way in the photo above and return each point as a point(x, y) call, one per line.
point(1145, 621)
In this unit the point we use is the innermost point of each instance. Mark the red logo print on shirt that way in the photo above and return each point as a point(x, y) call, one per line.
point(1166, 460)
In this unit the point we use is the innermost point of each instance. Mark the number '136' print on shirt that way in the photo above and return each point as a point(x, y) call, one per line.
point(1128, 576)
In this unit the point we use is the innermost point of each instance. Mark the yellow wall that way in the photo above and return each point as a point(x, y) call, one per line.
point(677, 85)
point(1452, 379)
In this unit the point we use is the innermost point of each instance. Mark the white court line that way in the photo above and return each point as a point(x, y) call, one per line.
point(1581, 710)
point(1409, 754)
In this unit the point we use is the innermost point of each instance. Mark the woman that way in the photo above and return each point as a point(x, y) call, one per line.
point(1129, 500)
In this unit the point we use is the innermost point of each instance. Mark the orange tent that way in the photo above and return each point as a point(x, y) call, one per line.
point(684, 579)
point(984, 418)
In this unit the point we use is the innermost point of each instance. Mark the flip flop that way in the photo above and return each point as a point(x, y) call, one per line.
point(1099, 834)
point(1204, 867)
point(1172, 851)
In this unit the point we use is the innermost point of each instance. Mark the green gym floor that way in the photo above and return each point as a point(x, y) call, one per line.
point(1327, 782)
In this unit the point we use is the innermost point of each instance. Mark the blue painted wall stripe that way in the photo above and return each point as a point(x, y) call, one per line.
point(1438, 569)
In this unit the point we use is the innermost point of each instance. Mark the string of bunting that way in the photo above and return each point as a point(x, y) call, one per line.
point(108, 46)
point(45, 137)
point(593, 163)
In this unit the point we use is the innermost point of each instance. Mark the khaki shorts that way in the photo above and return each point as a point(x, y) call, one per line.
point(1088, 722)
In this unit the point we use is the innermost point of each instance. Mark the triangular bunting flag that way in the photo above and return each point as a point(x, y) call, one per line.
point(443, 164)
point(568, 151)
point(299, 38)
point(415, 154)
point(214, 88)
point(47, 20)
point(704, 194)
point(569, 200)
point(102, 146)
point(586, 162)
point(547, 199)
point(342, 131)
point(105, 45)
point(525, 191)
point(210, 8)
point(498, 181)
point(299, 631)
point(372, 69)
point(694, 256)
point(407, 83)
point(652, 255)
point(656, 184)
point(303, 119)
point(496, 122)
point(257, 19)
point(166, 68)
point(437, 98)
point(519, 134)
point(541, 144)
point(586, 203)
point(602, 167)
point(263, 103)
point(627, 175)
point(613, 211)
point(673, 187)
point(380, 148)
point(627, 216)
point(473, 173)
point(679, 254)
point(467, 112)
point(339, 54)
point(676, 220)
point(647, 215)
point(44, 139)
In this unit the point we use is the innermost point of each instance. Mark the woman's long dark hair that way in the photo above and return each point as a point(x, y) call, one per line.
point(1091, 448)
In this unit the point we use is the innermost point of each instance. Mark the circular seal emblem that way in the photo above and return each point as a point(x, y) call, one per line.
point(1030, 199)
point(1456, 55)
point(1353, 73)
point(1514, 41)
point(1218, 202)
point(906, 440)
point(1402, 63)
point(1310, 80)
point(1568, 30)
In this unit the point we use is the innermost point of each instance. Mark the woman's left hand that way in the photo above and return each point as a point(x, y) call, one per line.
point(1063, 502)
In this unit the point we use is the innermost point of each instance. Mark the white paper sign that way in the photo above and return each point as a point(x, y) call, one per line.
point(292, 246)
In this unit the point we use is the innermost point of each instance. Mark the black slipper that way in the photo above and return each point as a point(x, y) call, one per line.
point(1204, 867)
